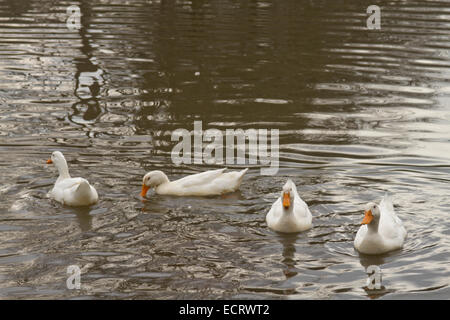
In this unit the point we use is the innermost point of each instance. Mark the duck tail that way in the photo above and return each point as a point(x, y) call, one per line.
point(84, 187)
point(241, 176)
point(387, 203)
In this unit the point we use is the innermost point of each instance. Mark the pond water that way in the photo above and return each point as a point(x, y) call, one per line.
point(359, 112)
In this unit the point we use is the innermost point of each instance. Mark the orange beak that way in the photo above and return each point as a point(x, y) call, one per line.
point(286, 200)
point(144, 190)
point(49, 161)
point(367, 218)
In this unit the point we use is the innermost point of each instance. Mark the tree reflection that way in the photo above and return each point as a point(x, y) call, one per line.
point(88, 77)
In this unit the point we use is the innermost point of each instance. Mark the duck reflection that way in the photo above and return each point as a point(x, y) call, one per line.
point(370, 260)
point(84, 217)
point(288, 242)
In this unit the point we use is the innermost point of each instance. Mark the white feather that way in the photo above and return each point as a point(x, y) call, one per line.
point(390, 234)
point(68, 190)
point(296, 218)
point(213, 182)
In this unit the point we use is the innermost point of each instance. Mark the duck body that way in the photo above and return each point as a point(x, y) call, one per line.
point(289, 213)
point(383, 233)
point(213, 182)
point(74, 192)
point(70, 191)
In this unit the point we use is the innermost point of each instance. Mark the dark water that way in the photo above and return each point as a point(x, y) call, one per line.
point(360, 112)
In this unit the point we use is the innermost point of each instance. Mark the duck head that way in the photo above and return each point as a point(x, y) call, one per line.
point(288, 194)
point(60, 163)
point(152, 180)
point(371, 214)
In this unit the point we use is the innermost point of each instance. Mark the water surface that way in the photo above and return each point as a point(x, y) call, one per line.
point(360, 113)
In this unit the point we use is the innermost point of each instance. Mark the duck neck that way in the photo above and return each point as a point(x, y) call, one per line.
point(373, 226)
point(164, 179)
point(63, 170)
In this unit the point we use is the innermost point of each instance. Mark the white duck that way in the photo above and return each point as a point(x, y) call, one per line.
point(289, 213)
point(67, 190)
point(213, 182)
point(381, 229)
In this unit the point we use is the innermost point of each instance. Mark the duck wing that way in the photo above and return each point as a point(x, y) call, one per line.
point(69, 183)
point(199, 179)
point(390, 224)
point(230, 180)
point(64, 187)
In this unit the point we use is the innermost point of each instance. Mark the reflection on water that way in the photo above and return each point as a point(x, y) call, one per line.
point(359, 113)
point(288, 253)
point(84, 218)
